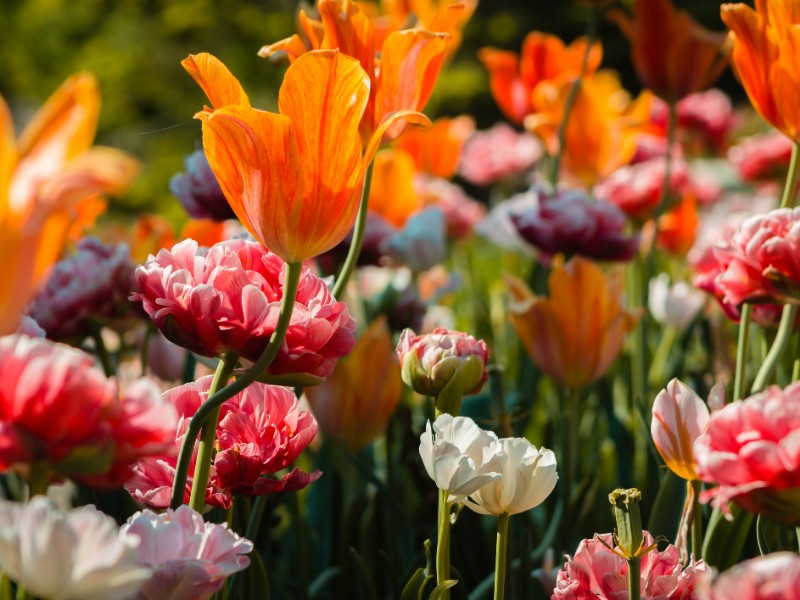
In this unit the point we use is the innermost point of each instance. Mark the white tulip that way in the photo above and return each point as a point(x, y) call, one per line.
point(675, 305)
point(528, 478)
point(75, 555)
point(459, 456)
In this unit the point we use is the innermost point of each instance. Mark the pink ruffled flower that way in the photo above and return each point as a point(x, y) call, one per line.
point(595, 573)
point(497, 153)
point(764, 156)
point(567, 222)
point(190, 558)
point(94, 282)
point(637, 189)
point(707, 114)
point(228, 299)
point(770, 577)
point(751, 450)
point(261, 431)
point(58, 410)
point(461, 213)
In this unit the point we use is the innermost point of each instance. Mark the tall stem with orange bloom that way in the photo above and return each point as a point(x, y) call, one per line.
point(358, 238)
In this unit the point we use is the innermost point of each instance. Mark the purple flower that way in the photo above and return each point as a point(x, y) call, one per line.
point(199, 191)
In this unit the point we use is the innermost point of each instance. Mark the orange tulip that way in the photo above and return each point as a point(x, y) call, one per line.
point(392, 194)
point(544, 58)
point(403, 78)
point(205, 232)
point(150, 233)
point(437, 150)
point(293, 178)
point(354, 404)
point(765, 50)
point(576, 334)
point(45, 180)
point(677, 228)
point(603, 126)
point(672, 54)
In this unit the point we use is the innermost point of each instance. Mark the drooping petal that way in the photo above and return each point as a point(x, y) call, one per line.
point(219, 84)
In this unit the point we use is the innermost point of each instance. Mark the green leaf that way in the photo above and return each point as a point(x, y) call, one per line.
point(439, 591)
point(666, 513)
point(724, 539)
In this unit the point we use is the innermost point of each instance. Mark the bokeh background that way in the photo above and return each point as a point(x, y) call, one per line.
point(135, 48)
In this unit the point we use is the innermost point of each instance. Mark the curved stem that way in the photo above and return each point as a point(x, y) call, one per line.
point(697, 522)
point(778, 346)
point(500, 557)
point(443, 543)
point(790, 189)
point(358, 237)
point(205, 450)
point(741, 351)
point(290, 285)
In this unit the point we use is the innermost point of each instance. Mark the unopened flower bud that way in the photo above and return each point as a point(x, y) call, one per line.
point(628, 535)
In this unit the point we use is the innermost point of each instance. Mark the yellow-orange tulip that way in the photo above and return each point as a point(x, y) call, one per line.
point(766, 43)
point(437, 150)
point(544, 59)
point(354, 404)
point(293, 178)
point(403, 78)
point(673, 55)
point(576, 334)
point(392, 194)
point(45, 180)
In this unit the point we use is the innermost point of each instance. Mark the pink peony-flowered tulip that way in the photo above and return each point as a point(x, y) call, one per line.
point(261, 431)
point(190, 558)
point(707, 115)
point(59, 412)
point(771, 577)
point(594, 572)
point(751, 450)
point(498, 153)
point(567, 222)
point(764, 156)
point(228, 299)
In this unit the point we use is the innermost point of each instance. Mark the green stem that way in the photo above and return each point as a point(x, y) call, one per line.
point(697, 522)
point(251, 532)
point(214, 401)
point(666, 191)
point(22, 594)
point(443, 543)
point(634, 578)
point(778, 346)
point(205, 449)
point(38, 479)
point(572, 96)
point(301, 537)
point(660, 358)
point(796, 362)
point(797, 533)
point(790, 189)
point(358, 237)
point(741, 351)
point(101, 350)
point(638, 289)
point(148, 335)
point(500, 557)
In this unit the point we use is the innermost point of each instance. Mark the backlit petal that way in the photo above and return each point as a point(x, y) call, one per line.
point(219, 84)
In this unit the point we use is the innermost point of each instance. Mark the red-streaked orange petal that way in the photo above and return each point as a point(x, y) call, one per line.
point(218, 83)
point(292, 47)
point(409, 117)
point(347, 28)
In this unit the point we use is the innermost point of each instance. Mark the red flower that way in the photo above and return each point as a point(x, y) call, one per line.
point(763, 156)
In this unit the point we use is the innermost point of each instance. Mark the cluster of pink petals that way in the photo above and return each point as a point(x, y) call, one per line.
point(461, 213)
point(770, 577)
point(228, 299)
point(764, 156)
point(498, 153)
point(261, 431)
point(58, 410)
point(567, 222)
point(190, 559)
point(637, 189)
point(94, 282)
point(596, 573)
point(709, 114)
point(751, 450)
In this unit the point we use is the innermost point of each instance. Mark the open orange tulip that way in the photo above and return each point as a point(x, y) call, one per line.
point(402, 79)
point(49, 181)
point(577, 333)
point(544, 58)
point(293, 178)
point(437, 150)
point(765, 50)
point(673, 55)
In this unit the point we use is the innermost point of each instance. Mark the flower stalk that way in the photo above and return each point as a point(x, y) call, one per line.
point(790, 189)
point(776, 351)
point(697, 521)
point(741, 351)
point(500, 556)
point(443, 543)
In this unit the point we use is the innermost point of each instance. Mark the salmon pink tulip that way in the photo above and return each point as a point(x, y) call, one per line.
point(773, 576)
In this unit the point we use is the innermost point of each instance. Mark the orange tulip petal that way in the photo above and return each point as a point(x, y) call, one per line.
point(392, 193)
point(347, 28)
point(218, 83)
point(292, 47)
point(508, 90)
point(8, 157)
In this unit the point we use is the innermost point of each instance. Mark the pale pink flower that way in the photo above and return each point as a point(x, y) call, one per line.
point(764, 156)
point(93, 282)
point(58, 409)
point(75, 555)
point(770, 577)
point(751, 450)
point(594, 572)
point(261, 431)
point(190, 558)
point(497, 153)
point(228, 299)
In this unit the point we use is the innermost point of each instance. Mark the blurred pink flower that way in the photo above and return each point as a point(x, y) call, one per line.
point(93, 282)
point(228, 299)
point(771, 577)
point(751, 450)
point(764, 156)
point(497, 153)
point(261, 431)
point(58, 410)
point(165, 359)
point(567, 222)
point(421, 243)
point(461, 213)
point(198, 190)
point(190, 558)
point(637, 189)
point(707, 114)
point(594, 572)
point(68, 555)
